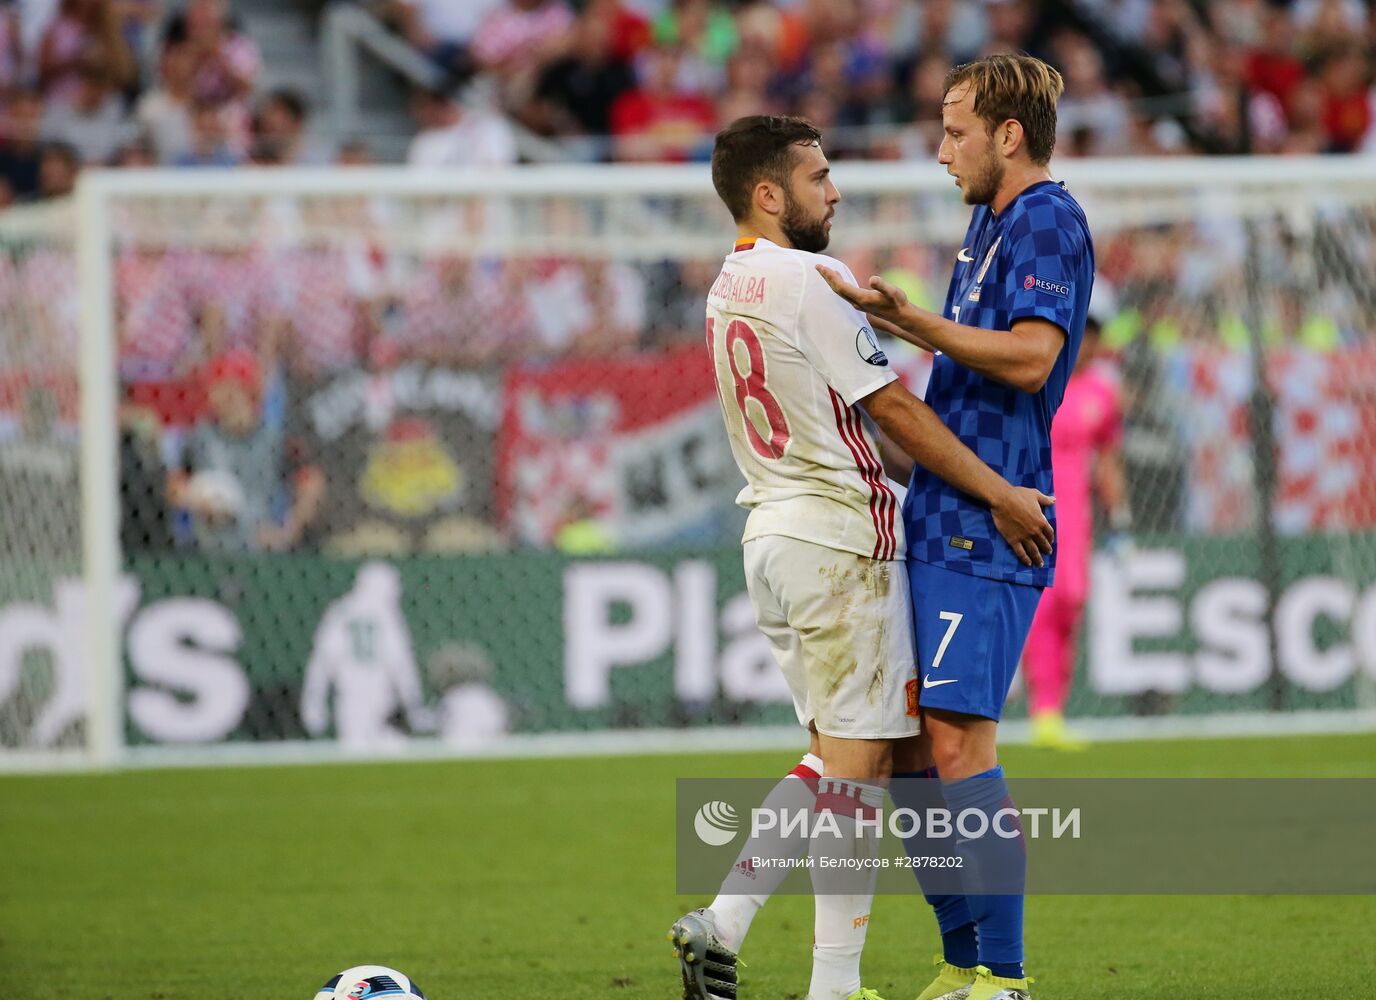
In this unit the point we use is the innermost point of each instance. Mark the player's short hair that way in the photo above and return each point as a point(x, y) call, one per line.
point(1015, 86)
point(755, 148)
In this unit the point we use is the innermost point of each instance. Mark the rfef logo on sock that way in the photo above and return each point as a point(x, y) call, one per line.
point(716, 824)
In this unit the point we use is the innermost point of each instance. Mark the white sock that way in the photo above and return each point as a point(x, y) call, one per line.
point(747, 888)
point(843, 894)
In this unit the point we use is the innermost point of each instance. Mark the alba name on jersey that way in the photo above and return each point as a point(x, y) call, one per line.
point(791, 361)
point(1033, 260)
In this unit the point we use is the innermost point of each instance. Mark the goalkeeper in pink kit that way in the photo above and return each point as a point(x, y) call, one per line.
point(1086, 457)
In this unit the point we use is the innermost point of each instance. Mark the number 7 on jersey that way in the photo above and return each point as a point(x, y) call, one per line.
point(954, 617)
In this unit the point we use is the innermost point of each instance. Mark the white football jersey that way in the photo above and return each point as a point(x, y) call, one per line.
point(791, 360)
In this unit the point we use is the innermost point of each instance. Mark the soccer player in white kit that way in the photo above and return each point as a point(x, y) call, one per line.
point(801, 381)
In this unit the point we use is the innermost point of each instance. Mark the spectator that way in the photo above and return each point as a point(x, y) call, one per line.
point(656, 121)
point(153, 314)
point(920, 104)
point(1346, 80)
point(85, 33)
point(355, 153)
point(1089, 102)
point(1325, 24)
point(1169, 26)
point(226, 64)
point(516, 39)
point(676, 290)
point(1010, 26)
point(138, 19)
point(323, 318)
point(1307, 134)
point(280, 129)
point(164, 113)
point(226, 61)
point(139, 153)
point(237, 301)
point(953, 30)
point(21, 151)
point(58, 166)
point(233, 461)
point(442, 29)
point(873, 89)
point(747, 91)
point(1272, 66)
point(575, 93)
point(465, 312)
point(210, 141)
point(452, 135)
point(145, 523)
point(92, 121)
point(781, 35)
point(39, 475)
point(630, 30)
point(702, 27)
point(11, 50)
point(1240, 121)
point(585, 307)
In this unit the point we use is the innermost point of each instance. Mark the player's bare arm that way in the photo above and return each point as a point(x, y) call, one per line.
point(894, 330)
point(1022, 357)
point(898, 464)
point(912, 425)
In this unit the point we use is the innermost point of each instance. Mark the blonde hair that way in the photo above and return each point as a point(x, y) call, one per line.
point(1020, 87)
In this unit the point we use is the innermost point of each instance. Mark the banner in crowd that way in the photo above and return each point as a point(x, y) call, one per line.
point(633, 443)
point(472, 648)
point(1325, 419)
point(407, 457)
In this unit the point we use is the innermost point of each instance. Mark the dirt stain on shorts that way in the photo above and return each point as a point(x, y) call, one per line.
point(836, 646)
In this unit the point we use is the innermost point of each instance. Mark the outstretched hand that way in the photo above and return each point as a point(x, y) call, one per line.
point(883, 300)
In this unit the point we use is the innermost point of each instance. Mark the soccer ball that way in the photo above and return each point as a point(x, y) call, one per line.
point(364, 982)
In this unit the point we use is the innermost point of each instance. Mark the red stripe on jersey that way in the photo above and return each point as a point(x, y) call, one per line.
point(879, 481)
point(843, 427)
point(809, 776)
point(888, 503)
point(745, 244)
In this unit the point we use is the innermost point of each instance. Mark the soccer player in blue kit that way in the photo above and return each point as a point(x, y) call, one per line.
point(1005, 345)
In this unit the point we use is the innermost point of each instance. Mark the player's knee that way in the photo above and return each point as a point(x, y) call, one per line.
point(876, 767)
point(949, 755)
point(957, 753)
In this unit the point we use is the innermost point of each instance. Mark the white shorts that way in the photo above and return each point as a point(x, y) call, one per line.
point(841, 629)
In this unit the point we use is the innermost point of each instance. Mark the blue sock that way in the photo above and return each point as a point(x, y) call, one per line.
point(920, 791)
point(997, 865)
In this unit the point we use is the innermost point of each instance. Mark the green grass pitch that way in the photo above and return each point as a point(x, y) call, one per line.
point(554, 879)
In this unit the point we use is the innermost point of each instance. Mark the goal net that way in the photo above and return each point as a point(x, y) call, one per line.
point(376, 460)
point(42, 690)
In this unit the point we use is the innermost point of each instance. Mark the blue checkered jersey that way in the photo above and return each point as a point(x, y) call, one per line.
point(1034, 259)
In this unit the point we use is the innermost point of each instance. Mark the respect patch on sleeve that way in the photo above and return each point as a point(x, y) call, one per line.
point(1057, 288)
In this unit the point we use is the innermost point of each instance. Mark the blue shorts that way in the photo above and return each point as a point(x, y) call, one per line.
point(970, 632)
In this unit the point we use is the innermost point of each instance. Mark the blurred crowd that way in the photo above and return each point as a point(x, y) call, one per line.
point(141, 82)
point(652, 79)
